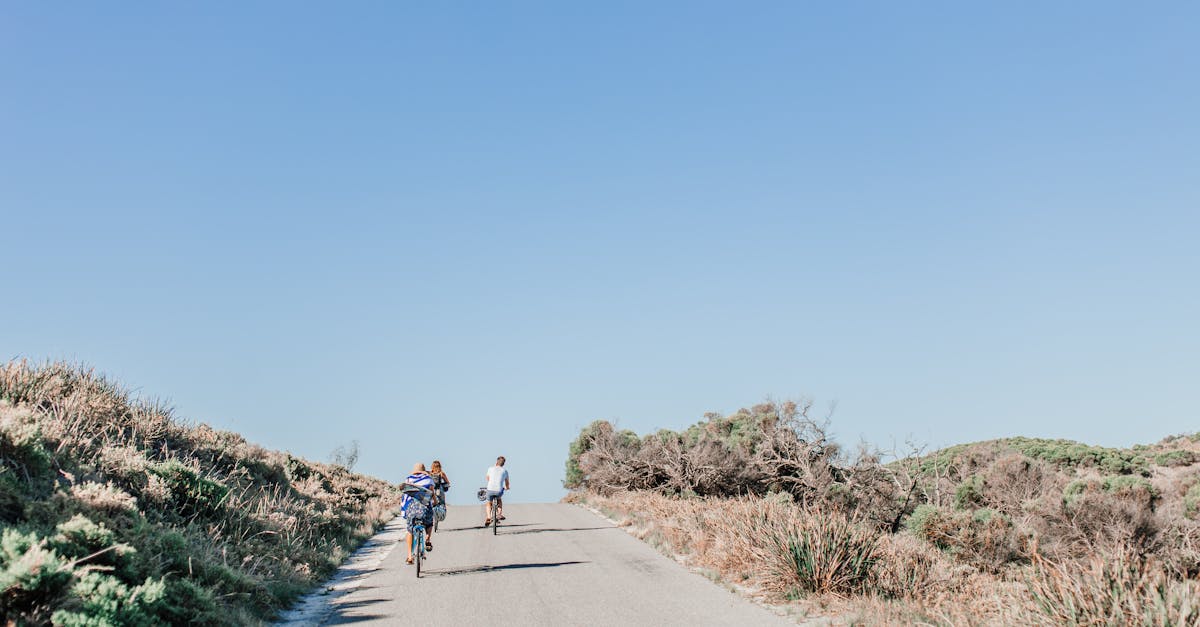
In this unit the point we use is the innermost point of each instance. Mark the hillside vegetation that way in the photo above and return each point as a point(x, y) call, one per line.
point(112, 512)
point(1012, 531)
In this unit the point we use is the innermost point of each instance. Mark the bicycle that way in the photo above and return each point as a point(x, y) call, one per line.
point(441, 499)
point(494, 501)
point(418, 531)
point(418, 545)
point(494, 505)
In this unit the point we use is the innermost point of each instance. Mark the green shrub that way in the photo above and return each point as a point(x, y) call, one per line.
point(191, 494)
point(103, 601)
point(12, 497)
point(90, 543)
point(1176, 458)
point(1191, 501)
point(984, 515)
point(983, 538)
point(24, 453)
point(186, 602)
point(969, 494)
point(297, 469)
point(1129, 487)
point(1071, 454)
point(574, 477)
point(920, 519)
point(33, 578)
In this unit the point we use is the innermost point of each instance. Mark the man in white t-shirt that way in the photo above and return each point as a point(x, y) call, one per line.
point(497, 483)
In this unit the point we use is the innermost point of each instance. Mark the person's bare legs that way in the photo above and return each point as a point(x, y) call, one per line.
point(408, 543)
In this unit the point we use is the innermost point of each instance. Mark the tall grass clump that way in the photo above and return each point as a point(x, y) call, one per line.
point(113, 512)
point(819, 553)
point(1104, 591)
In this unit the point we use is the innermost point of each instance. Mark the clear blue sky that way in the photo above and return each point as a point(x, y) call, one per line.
point(458, 232)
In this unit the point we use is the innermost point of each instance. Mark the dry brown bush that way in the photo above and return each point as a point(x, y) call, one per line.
point(746, 540)
point(770, 448)
point(1014, 480)
point(910, 582)
point(983, 539)
point(1093, 522)
point(910, 569)
point(985, 510)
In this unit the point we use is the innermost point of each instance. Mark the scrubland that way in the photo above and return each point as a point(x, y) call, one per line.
point(114, 512)
point(1016, 531)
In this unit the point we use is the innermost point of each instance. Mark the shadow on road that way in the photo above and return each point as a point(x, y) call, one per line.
point(340, 619)
point(487, 569)
point(480, 526)
point(549, 530)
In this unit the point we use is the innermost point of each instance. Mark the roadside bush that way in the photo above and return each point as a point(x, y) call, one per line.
point(767, 448)
point(820, 552)
point(983, 538)
point(1102, 516)
point(1013, 481)
point(906, 569)
point(104, 497)
point(1178, 548)
point(1191, 501)
point(1070, 454)
point(191, 494)
point(187, 602)
point(103, 600)
point(23, 452)
point(1180, 457)
point(12, 498)
point(970, 493)
point(1112, 590)
point(1135, 489)
point(33, 578)
point(921, 519)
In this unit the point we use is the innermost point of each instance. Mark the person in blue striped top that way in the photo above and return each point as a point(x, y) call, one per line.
point(418, 505)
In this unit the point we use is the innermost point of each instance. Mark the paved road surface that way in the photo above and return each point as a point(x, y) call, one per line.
point(550, 565)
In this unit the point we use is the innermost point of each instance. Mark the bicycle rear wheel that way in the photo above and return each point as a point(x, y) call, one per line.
point(419, 549)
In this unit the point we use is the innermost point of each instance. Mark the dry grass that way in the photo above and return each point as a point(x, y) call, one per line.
point(1114, 591)
point(783, 552)
point(231, 531)
point(854, 574)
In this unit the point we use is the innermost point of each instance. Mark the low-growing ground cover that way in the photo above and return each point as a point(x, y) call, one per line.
point(112, 512)
point(1015, 531)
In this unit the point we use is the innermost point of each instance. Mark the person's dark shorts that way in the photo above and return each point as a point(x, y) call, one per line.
point(493, 494)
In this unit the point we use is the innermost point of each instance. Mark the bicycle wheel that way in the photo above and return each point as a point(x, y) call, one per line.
point(495, 516)
point(419, 548)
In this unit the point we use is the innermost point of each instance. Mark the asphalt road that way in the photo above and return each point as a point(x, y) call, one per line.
point(549, 565)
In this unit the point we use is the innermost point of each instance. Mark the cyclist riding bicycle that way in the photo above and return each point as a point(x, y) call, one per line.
point(441, 485)
point(440, 481)
point(497, 483)
point(417, 505)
